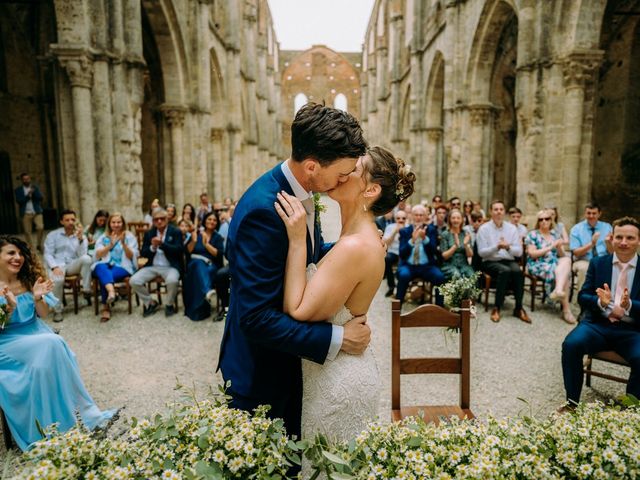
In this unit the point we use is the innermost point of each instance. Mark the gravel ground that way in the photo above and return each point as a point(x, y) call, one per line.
point(136, 362)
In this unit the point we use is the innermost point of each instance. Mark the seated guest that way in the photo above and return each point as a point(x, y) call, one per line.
point(172, 218)
point(499, 245)
point(188, 213)
point(225, 220)
point(467, 207)
point(206, 249)
point(440, 220)
point(40, 380)
point(65, 253)
point(610, 301)
point(477, 207)
point(162, 247)
point(203, 208)
point(588, 239)
point(116, 258)
point(515, 215)
point(472, 230)
point(418, 251)
point(227, 202)
point(97, 228)
point(148, 217)
point(435, 201)
point(560, 229)
point(186, 227)
point(455, 248)
point(546, 259)
point(454, 202)
point(392, 239)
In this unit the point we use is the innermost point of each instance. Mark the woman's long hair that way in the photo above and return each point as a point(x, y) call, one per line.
point(31, 268)
point(94, 224)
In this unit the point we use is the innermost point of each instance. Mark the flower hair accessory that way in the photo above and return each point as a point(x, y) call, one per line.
point(403, 172)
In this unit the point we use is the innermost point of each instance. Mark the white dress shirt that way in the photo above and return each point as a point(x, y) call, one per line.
point(28, 208)
point(615, 274)
point(337, 331)
point(160, 259)
point(488, 237)
point(60, 249)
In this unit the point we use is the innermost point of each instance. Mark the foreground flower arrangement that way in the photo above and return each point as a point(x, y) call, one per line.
point(205, 439)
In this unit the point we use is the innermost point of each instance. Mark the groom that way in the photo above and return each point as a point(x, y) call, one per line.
point(261, 346)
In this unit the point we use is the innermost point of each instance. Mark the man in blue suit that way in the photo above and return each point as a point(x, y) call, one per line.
point(610, 301)
point(419, 256)
point(261, 346)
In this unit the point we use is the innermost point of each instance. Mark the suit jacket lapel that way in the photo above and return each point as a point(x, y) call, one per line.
point(635, 288)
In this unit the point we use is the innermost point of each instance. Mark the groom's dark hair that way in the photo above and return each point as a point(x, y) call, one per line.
point(325, 134)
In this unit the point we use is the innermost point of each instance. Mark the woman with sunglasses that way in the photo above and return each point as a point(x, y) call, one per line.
point(467, 208)
point(547, 259)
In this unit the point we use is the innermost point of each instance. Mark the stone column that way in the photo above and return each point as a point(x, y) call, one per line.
point(217, 169)
point(432, 163)
point(175, 115)
point(578, 69)
point(382, 73)
point(79, 68)
point(482, 119)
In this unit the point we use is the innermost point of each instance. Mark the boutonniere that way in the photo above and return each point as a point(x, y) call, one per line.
point(318, 206)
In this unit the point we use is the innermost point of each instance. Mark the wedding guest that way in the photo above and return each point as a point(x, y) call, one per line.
point(440, 220)
point(172, 218)
point(223, 228)
point(472, 230)
point(186, 227)
point(188, 213)
point(40, 381)
point(227, 202)
point(65, 253)
point(546, 259)
point(515, 215)
point(454, 202)
point(116, 257)
point(97, 228)
point(589, 238)
point(477, 207)
point(384, 220)
point(559, 226)
point(499, 246)
point(467, 208)
point(29, 200)
point(391, 237)
point(203, 208)
point(148, 217)
point(206, 249)
point(162, 247)
point(456, 249)
point(435, 201)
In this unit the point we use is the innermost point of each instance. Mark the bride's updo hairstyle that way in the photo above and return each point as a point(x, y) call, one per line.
point(394, 177)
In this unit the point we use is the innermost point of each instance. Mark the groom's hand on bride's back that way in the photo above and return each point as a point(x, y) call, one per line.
point(357, 336)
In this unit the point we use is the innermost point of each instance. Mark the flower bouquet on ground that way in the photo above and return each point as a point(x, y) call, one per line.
point(458, 289)
point(194, 439)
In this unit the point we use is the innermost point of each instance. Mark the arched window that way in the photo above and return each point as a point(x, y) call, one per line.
point(299, 102)
point(340, 102)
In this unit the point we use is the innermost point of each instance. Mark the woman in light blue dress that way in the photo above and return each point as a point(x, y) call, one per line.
point(39, 376)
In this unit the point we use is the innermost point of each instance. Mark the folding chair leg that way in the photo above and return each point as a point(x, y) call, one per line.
point(76, 288)
point(587, 367)
point(533, 294)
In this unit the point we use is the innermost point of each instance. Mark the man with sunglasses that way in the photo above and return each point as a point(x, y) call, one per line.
point(163, 249)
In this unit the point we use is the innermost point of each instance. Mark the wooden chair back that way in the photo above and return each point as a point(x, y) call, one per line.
point(608, 356)
point(431, 316)
point(138, 229)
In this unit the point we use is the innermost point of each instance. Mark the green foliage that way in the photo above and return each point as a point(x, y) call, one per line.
point(459, 289)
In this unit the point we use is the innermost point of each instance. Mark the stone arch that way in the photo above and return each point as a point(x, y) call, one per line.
point(299, 101)
point(163, 22)
point(492, 86)
point(27, 93)
point(617, 116)
point(578, 23)
point(340, 102)
point(434, 161)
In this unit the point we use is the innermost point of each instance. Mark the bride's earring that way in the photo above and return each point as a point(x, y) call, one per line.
point(364, 207)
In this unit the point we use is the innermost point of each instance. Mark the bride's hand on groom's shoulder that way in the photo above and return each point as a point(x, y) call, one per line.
point(293, 214)
point(357, 336)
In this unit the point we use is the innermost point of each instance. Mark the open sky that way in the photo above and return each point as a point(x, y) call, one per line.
point(338, 24)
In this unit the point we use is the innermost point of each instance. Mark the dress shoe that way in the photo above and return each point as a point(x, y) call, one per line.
point(105, 316)
point(170, 310)
point(522, 315)
point(495, 315)
point(389, 293)
point(150, 309)
point(566, 408)
point(568, 317)
point(211, 298)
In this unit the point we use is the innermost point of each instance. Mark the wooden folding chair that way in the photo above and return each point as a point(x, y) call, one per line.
point(431, 316)
point(419, 290)
point(608, 356)
point(71, 285)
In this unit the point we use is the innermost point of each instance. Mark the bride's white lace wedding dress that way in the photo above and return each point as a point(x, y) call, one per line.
point(340, 397)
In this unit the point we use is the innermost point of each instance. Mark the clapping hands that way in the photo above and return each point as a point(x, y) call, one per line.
point(41, 287)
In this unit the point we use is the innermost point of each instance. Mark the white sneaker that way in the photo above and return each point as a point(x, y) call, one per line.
point(212, 298)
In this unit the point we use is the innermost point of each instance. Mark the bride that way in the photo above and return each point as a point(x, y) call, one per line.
point(340, 397)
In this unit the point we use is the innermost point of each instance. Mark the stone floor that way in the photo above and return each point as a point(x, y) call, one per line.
point(136, 362)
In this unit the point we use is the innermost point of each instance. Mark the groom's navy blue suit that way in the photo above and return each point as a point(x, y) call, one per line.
point(261, 346)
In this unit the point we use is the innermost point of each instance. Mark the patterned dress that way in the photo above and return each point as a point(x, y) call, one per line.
point(457, 266)
point(545, 266)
